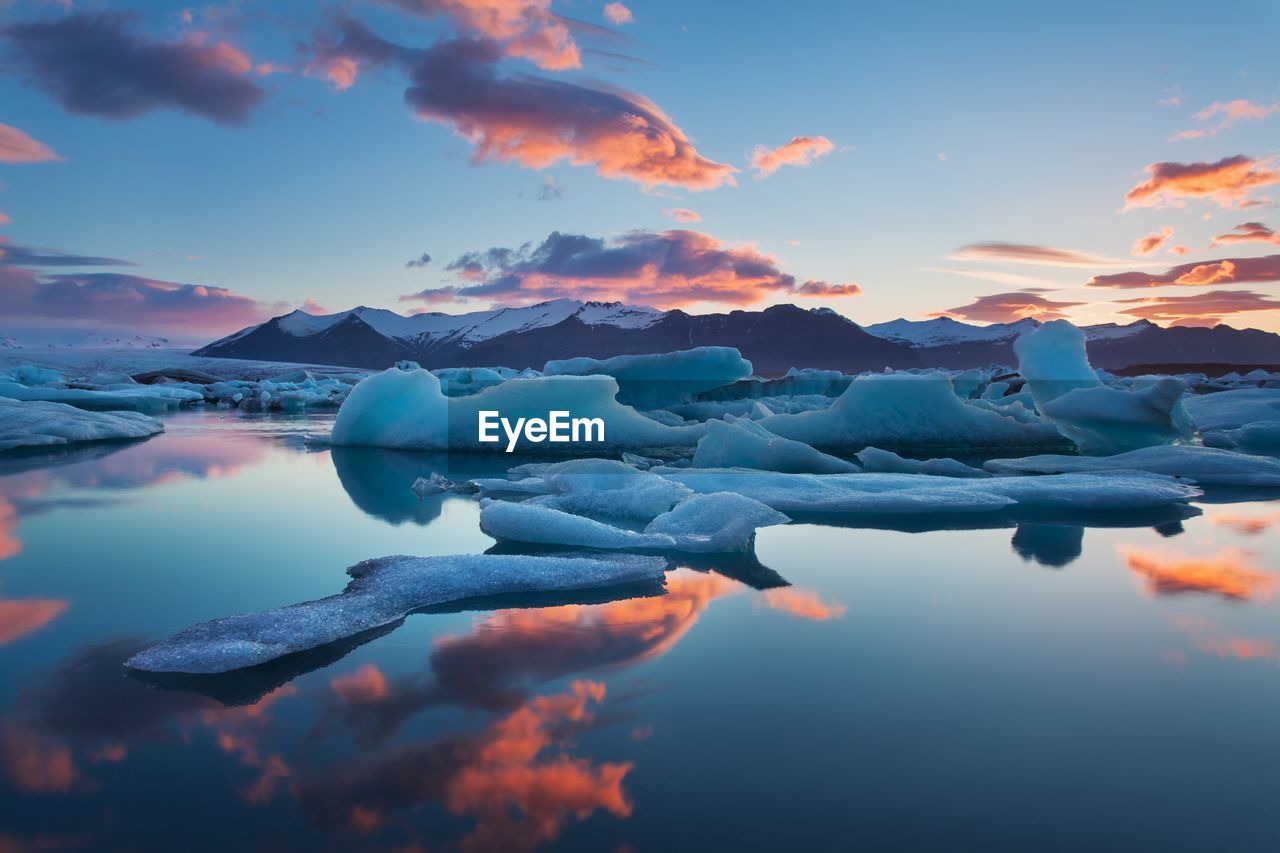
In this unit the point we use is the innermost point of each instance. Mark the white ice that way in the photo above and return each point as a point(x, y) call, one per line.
point(42, 424)
point(1208, 466)
point(908, 410)
point(382, 591)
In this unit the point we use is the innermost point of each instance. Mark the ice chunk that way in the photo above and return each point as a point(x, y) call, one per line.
point(1259, 435)
point(908, 410)
point(877, 461)
point(661, 379)
point(720, 522)
point(43, 424)
point(1099, 419)
point(405, 408)
point(919, 493)
point(713, 523)
point(382, 591)
point(1208, 466)
point(1052, 359)
point(122, 397)
point(398, 408)
point(745, 444)
point(1106, 420)
point(1225, 410)
point(599, 488)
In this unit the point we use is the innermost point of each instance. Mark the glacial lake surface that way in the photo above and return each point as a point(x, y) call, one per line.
point(1105, 684)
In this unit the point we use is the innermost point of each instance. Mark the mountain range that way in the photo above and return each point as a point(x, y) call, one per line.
point(773, 339)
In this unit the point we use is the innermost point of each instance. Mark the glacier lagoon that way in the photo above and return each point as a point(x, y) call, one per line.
point(990, 682)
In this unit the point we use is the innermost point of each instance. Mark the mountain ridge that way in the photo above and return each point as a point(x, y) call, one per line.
point(773, 339)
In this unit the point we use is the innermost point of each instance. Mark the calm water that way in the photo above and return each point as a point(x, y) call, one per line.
point(1038, 686)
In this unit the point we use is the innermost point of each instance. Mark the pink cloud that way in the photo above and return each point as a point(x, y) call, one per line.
point(1231, 112)
point(1150, 243)
point(799, 151)
point(17, 147)
point(1248, 232)
point(1199, 274)
point(682, 214)
point(1227, 182)
point(618, 14)
point(1202, 309)
point(1024, 253)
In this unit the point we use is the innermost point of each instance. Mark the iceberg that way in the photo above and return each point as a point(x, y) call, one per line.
point(599, 488)
point(743, 443)
point(1099, 419)
point(381, 592)
point(921, 493)
point(712, 523)
point(1208, 466)
point(40, 424)
point(1228, 410)
point(661, 379)
point(909, 410)
point(877, 461)
point(404, 407)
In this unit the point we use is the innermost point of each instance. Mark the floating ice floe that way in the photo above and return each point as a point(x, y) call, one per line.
point(1097, 418)
point(598, 488)
point(661, 379)
point(921, 493)
point(712, 523)
point(1208, 466)
point(105, 398)
point(1229, 410)
point(745, 444)
point(403, 407)
point(39, 424)
point(381, 592)
point(909, 410)
point(877, 461)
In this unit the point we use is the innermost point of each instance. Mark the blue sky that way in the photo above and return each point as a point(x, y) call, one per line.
point(1005, 123)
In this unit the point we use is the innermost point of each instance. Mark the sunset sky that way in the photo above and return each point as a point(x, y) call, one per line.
point(188, 170)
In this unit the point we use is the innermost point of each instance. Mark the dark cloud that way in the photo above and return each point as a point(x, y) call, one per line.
point(1202, 309)
point(1009, 307)
point(33, 256)
point(93, 63)
point(664, 269)
point(1248, 232)
point(420, 261)
point(1199, 274)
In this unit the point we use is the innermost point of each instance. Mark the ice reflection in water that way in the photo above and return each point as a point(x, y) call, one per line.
point(886, 669)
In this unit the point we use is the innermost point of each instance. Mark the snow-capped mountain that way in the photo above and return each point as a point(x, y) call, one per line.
point(774, 339)
point(9, 342)
point(105, 341)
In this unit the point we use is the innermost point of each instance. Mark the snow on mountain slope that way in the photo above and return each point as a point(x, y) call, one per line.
point(472, 327)
point(942, 331)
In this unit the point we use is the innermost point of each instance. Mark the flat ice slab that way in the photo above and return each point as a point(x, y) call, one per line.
point(38, 424)
point(382, 591)
point(1208, 466)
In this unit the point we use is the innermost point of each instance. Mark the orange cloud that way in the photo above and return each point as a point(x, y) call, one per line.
point(800, 151)
point(617, 14)
point(17, 147)
point(1150, 243)
point(682, 214)
point(23, 616)
point(527, 28)
point(1227, 182)
point(1008, 308)
point(803, 604)
point(1226, 573)
point(1246, 525)
point(1203, 309)
point(1198, 274)
point(1248, 232)
point(366, 684)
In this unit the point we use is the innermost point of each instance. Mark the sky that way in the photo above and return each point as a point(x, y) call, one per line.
point(188, 170)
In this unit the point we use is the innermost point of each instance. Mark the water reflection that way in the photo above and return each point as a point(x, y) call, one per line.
point(1228, 573)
